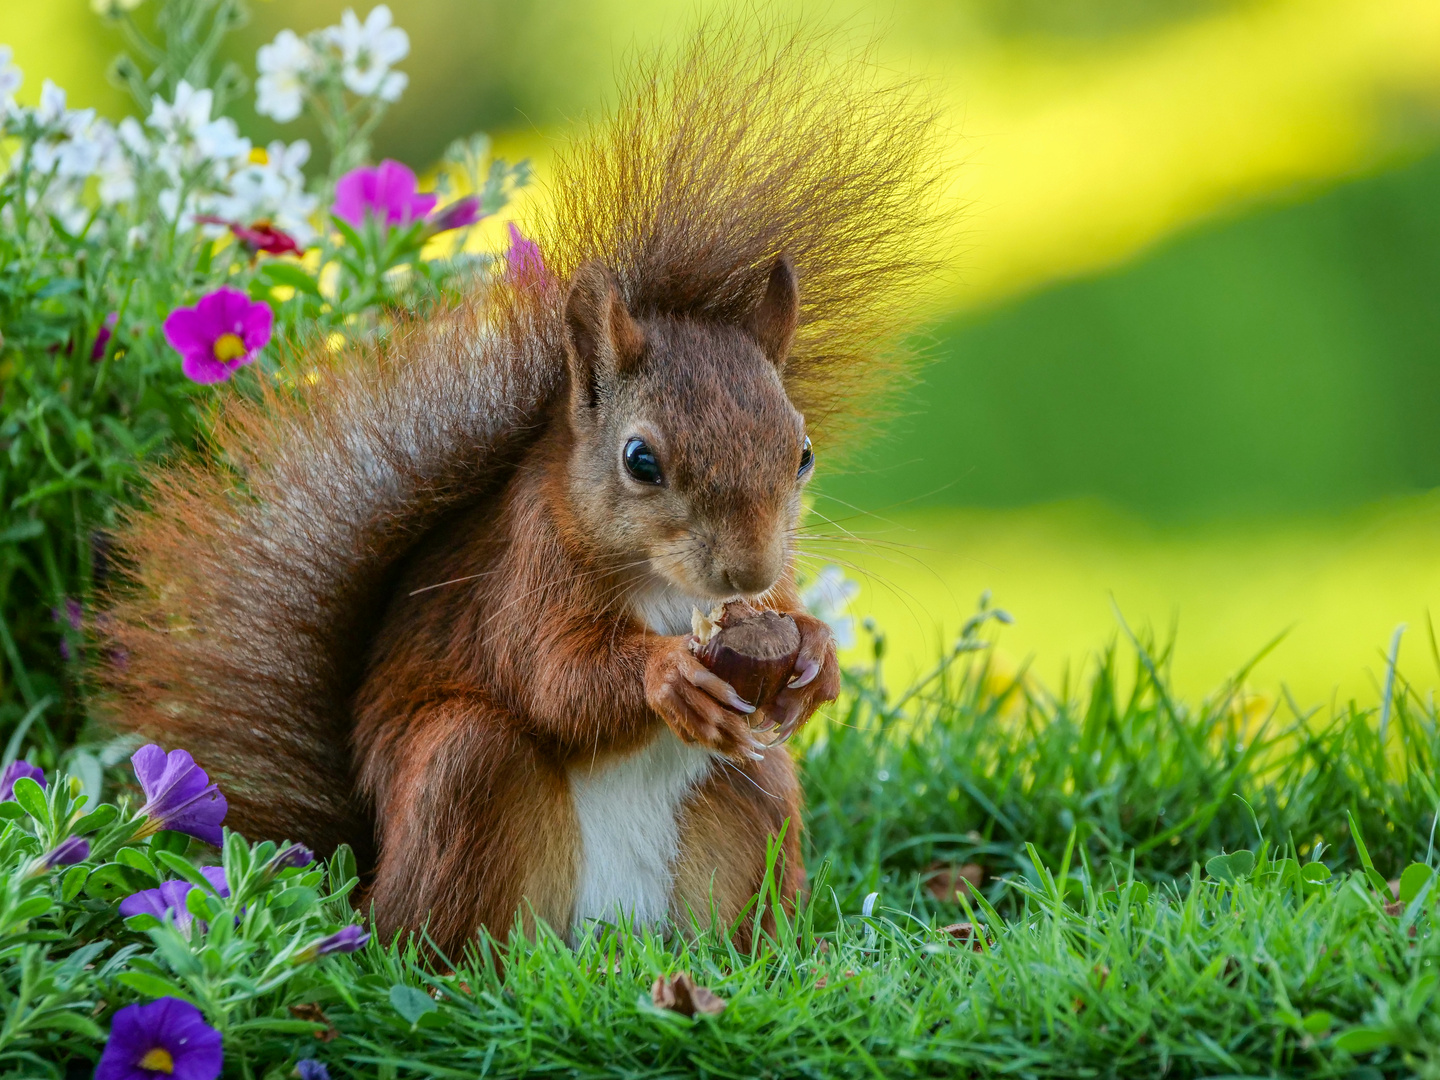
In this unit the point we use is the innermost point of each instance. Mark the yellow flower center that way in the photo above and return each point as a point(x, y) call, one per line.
point(158, 1060)
point(228, 347)
point(258, 156)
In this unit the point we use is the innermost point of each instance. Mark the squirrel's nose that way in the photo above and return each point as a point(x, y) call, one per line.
point(752, 575)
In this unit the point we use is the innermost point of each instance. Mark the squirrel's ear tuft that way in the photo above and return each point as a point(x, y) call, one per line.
point(772, 322)
point(602, 338)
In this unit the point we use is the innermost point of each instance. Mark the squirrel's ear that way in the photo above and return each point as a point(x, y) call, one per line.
point(602, 338)
point(772, 322)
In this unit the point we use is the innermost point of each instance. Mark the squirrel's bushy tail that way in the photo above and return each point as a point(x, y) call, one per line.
point(255, 576)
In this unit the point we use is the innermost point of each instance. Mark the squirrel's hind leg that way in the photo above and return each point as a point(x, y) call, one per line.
point(475, 826)
point(725, 830)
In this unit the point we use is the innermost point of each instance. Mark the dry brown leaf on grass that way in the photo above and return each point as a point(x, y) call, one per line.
point(312, 1013)
point(680, 994)
point(944, 880)
point(963, 933)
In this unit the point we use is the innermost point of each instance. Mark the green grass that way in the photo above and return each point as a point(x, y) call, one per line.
point(1115, 943)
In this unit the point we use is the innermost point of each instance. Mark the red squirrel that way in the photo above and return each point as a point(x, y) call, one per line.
point(434, 601)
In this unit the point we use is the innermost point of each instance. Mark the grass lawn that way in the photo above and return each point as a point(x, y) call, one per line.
point(1107, 936)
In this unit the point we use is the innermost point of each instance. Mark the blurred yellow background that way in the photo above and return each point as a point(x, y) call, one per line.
point(1186, 359)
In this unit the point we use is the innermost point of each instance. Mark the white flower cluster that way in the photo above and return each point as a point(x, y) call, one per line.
point(361, 54)
point(200, 164)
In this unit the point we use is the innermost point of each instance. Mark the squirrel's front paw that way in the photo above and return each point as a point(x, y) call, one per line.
point(816, 679)
point(700, 707)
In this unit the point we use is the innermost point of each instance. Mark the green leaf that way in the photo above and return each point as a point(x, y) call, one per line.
point(1232, 868)
point(284, 273)
point(151, 985)
point(11, 811)
point(25, 530)
point(137, 860)
point(411, 1003)
point(73, 882)
point(1413, 879)
point(1315, 871)
point(31, 796)
point(98, 818)
point(30, 909)
point(182, 868)
point(113, 881)
point(346, 230)
point(1318, 1022)
point(1372, 875)
point(177, 843)
point(295, 901)
point(73, 1022)
point(1362, 1040)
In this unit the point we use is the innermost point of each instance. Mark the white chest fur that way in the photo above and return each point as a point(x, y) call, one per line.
point(629, 807)
point(629, 832)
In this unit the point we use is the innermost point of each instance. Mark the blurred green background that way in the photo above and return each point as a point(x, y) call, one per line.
point(1185, 362)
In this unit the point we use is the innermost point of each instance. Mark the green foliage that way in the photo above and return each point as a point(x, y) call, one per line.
point(99, 242)
point(1093, 951)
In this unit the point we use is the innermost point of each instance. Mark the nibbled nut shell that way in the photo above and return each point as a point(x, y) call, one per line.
point(754, 651)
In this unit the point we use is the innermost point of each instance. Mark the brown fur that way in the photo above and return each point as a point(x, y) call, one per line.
point(397, 604)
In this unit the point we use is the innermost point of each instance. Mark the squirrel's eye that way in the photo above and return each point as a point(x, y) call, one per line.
point(641, 462)
point(807, 457)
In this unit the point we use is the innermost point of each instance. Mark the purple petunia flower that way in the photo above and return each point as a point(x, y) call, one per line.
point(167, 1037)
point(72, 850)
point(523, 261)
point(178, 795)
point(224, 330)
point(169, 899)
point(460, 214)
point(310, 1069)
point(347, 939)
point(386, 192)
point(72, 612)
point(294, 856)
point(14, 771)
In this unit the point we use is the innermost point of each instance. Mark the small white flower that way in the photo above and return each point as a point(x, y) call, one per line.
point(392, 86)
point(186, 123)
point(284, 66)
point(52, 104)
point(272, 189)
point(74, 141)
point(10, 77)
point(133, 136)
point(368, 50)
point(827, 598)
point(113, 8)
point(117, 168)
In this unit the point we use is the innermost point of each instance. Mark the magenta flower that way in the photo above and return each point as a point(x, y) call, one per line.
point(386, 192)
point(14, 771)
point(178, 795)
point(169, 899)
point(258, 236)
point(224, 330)
point(523, 261)
point(166, 1038)
point(102, 336)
